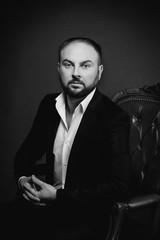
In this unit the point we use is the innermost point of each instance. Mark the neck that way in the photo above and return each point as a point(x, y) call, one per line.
point(72, 103)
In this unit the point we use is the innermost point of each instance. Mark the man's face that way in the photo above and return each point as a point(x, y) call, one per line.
point(79, 69)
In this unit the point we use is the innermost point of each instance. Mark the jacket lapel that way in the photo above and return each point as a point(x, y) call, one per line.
point(87, 122)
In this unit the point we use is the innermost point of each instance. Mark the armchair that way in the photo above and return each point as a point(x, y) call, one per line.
point(137, 217)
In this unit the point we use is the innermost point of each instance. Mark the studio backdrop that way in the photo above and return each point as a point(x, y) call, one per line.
point(30, 36)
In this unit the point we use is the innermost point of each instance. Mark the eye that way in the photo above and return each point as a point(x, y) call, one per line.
point(67, 64)
point(86, 65)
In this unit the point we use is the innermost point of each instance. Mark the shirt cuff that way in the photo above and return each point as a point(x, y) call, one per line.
point(19, 181)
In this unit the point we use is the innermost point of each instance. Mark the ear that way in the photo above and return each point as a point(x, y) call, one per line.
point(58, 66)
point(100, 70)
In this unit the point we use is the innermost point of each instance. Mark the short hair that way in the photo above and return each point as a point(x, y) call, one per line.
point(88, 41)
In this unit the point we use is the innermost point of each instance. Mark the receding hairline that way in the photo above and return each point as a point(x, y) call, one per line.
point(87, 41)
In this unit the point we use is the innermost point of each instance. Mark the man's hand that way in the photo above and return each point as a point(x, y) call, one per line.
point(36, 191)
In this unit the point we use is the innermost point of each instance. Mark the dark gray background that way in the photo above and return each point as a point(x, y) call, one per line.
point(30, 35)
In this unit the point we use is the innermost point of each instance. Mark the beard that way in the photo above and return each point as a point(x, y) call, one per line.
point(81, 93)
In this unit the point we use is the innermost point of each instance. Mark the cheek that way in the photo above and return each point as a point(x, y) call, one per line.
point(65, 75)
point(91, 76)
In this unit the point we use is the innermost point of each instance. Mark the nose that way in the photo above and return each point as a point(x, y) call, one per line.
point(76, 72)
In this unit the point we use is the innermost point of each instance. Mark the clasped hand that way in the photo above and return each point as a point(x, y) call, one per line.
point(36, 191)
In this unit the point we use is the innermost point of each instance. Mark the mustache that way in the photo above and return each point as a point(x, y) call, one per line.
point(75, 80)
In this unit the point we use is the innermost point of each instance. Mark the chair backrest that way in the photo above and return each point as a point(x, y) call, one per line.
point(143, 107)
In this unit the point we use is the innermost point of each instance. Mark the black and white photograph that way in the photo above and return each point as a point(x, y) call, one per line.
point(80, 120)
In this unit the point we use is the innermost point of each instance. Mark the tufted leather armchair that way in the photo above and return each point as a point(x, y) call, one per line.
point(138, 217)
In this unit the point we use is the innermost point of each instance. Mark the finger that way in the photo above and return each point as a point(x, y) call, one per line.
point(26, 197)
point(34, 203)
point(37, 181)
point(31, 195)
point(30, 189)
point(27, 186)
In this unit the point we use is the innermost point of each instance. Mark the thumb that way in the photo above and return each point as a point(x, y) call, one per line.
point(37, 181)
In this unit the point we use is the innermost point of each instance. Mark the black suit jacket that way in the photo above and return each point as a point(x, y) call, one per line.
point(98, 167)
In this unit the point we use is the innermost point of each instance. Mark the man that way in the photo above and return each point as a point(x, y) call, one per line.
point(85, 138)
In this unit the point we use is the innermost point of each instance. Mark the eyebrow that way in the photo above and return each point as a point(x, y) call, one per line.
point(83, 62)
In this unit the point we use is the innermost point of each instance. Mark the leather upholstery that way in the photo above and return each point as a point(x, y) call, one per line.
point(138, 216)
point(143, 107)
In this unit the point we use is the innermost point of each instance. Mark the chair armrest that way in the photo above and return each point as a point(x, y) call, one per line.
point(120, 209)
point(144, 201)
point(116, 220)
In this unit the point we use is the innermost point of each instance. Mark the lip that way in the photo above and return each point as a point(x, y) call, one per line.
point(76, 85)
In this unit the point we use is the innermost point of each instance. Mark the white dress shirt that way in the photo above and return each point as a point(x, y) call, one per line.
point(65, 137)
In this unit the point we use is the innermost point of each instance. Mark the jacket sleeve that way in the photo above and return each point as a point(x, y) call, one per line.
point(33, 147)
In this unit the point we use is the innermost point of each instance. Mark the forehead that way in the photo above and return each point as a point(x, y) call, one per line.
point(79, 51)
